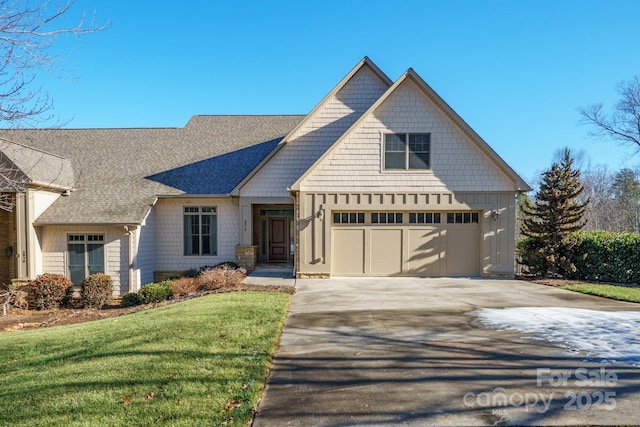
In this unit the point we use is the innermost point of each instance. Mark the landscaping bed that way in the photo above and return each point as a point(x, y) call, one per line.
point(18, 319)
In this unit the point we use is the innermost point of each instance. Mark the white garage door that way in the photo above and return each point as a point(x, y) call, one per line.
point(405, 244)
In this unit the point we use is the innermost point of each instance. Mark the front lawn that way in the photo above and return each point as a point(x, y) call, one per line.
point(620, 293)
point(198, 362)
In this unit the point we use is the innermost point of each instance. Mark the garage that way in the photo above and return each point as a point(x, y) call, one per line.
point(405, 243)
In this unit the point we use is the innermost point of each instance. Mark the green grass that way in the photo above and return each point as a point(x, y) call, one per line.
point(198, 362)
point(608, 291)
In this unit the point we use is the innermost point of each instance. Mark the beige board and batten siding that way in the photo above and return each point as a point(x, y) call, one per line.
point(483, 248)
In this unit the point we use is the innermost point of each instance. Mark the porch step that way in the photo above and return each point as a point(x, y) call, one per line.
point(271, 277)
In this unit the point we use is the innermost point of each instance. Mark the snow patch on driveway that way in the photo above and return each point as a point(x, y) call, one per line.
point(611, 336)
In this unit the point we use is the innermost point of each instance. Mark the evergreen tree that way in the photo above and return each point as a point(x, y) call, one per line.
point(626, 191)
point(551, 220)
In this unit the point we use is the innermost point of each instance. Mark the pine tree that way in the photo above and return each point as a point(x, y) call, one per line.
point(550, 222)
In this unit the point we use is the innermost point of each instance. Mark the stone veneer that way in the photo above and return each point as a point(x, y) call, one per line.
point(247, 257)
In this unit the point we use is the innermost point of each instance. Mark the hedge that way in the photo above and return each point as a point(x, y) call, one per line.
point(599, 256)
point(608, 257)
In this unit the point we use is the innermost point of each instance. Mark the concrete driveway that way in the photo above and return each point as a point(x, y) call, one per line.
point(407, 351)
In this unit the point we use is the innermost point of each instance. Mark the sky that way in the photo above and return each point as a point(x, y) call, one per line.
point(515, 71)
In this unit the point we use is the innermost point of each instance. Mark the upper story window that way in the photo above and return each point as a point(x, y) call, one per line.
point(407, 151)
point(200, 230)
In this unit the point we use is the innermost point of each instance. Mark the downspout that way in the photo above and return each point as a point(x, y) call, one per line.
point(133, 280)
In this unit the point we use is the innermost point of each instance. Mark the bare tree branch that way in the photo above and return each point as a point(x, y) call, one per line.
point(623, 123)
point(29, 30)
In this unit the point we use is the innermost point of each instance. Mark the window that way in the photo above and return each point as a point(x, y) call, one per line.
point(200, 230)
point(85, 256)
point(348, 217)
point(424, 218)
point(462, 217)
point(386, 218)
point(408, 151)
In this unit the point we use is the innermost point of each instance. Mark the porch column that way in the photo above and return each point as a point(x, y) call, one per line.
point(246, 226)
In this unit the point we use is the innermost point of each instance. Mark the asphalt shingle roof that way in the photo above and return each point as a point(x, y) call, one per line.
point(118, 173)
point(217, 175)
point(24, 165)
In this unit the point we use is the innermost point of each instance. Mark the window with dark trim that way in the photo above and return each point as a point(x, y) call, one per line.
point(462, 218)
point(386, 218)
point(200, 230)
point(424, 218)
point(85, 256)
point(407, 151)
point(348, 217)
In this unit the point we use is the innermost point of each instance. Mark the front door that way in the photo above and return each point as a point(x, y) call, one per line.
point(278, 239)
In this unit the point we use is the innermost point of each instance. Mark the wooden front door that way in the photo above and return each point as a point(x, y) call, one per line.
point(278, 239)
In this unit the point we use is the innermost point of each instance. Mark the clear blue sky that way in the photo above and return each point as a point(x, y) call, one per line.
point(514, 70)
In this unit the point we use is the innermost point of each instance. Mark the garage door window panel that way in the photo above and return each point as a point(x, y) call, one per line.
point(386, 218)
point(348, 217)
point(462, 218)
point(424, 218)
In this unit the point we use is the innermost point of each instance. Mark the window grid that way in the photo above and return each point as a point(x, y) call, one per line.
point(85, 256)
point(410, 151)
point(348, 217)
point(386, 218)
point(424, 218)
point(463, 218)
point(200, 230)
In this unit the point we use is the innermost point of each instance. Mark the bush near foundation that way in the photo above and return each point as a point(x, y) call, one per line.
point(130, 299)
point(96, 290)
point(50, 289)
point(220, 277)
point(156, 292)
point(184, 287)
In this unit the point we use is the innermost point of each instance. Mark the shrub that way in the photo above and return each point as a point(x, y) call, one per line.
point(599, 256)
point(130, 299)
point(49, 290)
point(228, 264)
point(96, 290)
point(184, 286)
point(220, 277)
point(608, 257)
point(156, 292)
point(192, 273)
point(541, 259)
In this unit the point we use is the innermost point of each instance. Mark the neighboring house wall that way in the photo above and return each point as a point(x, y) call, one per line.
point(169, 226)
point(116, 242)
point(7, 247)
point(146, 249)
point(320, 130)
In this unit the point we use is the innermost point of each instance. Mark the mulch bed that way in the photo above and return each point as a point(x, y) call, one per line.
point(18, 319)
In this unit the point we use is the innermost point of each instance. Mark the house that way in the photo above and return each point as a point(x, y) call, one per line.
point(381, 178)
